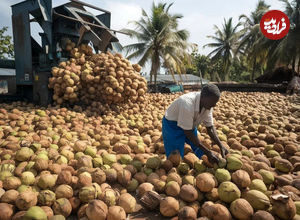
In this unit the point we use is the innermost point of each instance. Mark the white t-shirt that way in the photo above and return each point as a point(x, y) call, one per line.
point(185, 110)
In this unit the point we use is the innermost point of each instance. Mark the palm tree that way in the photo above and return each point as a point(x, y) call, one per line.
point(250, 35)
point(159, 41)
point(225, 45)
point(286, 50)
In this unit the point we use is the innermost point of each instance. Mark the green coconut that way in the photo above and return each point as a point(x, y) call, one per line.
point(109, 159)
point(228, 192)
point(24, 154)
point(153, 162)
point(35, 213)
point(259, 185)
point(297, 204)
point(125, 159)
point(233, 163)
point(200, 166)
point(257, 199)
point(46, 197)
point(27, 178)
point(183, 168)
point(267, 176)
point(87, 193)
point(283, 165)
point(222, 175)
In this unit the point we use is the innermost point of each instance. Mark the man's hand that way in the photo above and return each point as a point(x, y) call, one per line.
point(212, 157)
point(224, 151)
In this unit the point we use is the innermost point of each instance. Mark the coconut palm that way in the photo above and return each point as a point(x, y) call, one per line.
point(159, 41)
point(226, 42)
point(249, 43)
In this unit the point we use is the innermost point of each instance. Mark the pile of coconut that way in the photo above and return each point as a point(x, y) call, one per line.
point(102, 78)
point(57, 162)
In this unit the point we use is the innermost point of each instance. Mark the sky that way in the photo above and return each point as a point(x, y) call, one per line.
point(199, 16)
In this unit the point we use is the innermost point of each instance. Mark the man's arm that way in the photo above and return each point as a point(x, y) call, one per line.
point(194, 139)
point(213, 135)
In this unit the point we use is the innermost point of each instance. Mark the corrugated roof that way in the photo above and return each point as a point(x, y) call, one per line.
point(184, 77)
point(7, 72)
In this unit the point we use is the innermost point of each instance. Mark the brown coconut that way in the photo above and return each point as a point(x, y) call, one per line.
point(116, 213)
point(127, 202)
point(96, 210)
point(188, 193)
point(262, 215)
point(241, 178)
point(169, 207)
point(205, 182)
point(283, 206)
point(187, 213)
point(241, 209)
point(143, 188)
point(6, 212)
point(172, 189)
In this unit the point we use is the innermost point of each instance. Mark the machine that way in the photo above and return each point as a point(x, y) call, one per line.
point(33, 62)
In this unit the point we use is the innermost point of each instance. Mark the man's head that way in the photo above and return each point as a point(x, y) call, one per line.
point(210, 95)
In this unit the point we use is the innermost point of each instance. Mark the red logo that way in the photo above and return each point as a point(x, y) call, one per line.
point(275, 24)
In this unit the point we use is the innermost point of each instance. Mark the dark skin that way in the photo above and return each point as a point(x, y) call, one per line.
point(207, 103)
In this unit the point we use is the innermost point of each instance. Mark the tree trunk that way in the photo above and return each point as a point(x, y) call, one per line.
point(294, 63)
point(298, 66)
point(253, 70)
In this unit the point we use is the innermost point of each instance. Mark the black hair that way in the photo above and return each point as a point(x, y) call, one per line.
point(210, 90)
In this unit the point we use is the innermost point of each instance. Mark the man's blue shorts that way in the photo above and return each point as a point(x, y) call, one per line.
point(174, 138)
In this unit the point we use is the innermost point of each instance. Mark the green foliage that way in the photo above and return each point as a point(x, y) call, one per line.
point(160, 42)
point(6, 46)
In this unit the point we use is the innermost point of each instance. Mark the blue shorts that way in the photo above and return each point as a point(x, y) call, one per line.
point(174, 138)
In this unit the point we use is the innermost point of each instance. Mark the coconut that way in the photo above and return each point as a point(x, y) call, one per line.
point(111, 175)
point(190, 159)
point(11, 182)
point(132, 185)
point(213, 195)
point(48, 211)
point(241, 209)
point(267, 176)
point(259, 185)
point(187, 213)
point(62, 206)
point(153, 162)
point(183, 168)
point(228, 192)
point(64, 177)
point(205, 182)
point(124, 177)
point(26, 199)
point(188, 179)
point(174, 177)
point(35, 213)
point(151, 200)
point(169, 207)
point(27, 178)
point(127, 202)
point(87, 193)
point(46, 181)
point(297, 204)
point(283, 165)
point(222, 175)
point(262, 215)
point(188, 193)
point(172, 189)
point(199, 166)
point(109, 196)
point(233, 163)
point(96, 210)
point(9, 196)
point(6, 211)
point(283, 206)
point(257, 199)
point(109, 159)
point(116, 213)
point(175, 158)
point(64, 191)
point(46, 198)
point(24, 154)
point(57, 217)
point(143, 188)
point(241, 178)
